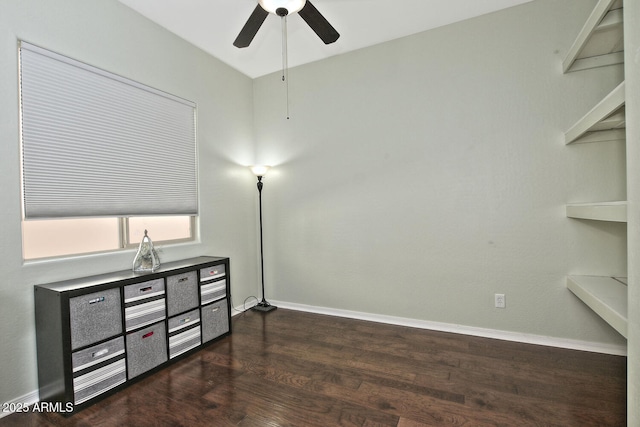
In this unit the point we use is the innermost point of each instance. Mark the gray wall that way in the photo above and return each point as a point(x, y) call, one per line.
point(632, 88)
point(109, 35)
point(419, 177)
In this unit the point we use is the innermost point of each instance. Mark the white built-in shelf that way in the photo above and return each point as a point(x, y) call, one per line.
point(599, 211)
point(601, 40)
point(606, 296)
point(605, 121)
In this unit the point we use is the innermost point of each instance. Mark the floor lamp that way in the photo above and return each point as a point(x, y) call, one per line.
point(263, 305)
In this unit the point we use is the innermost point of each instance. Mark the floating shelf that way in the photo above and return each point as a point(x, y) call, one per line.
point(606, 296)
point(603, 211)
point(605, 121)
point(601, 40)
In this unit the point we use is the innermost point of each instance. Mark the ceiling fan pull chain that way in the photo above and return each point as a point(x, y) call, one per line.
point(285, 60)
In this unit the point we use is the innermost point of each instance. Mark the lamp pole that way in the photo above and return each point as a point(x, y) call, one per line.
point(263, 305)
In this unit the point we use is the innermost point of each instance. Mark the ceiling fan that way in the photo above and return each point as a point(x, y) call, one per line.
point(282, 8)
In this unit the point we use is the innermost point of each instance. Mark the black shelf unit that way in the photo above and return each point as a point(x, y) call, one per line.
point(97, 334)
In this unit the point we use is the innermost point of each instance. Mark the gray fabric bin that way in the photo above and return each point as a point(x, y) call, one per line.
point(215, 320)
point(182, 293)
point(95, 317)
point(146, 349)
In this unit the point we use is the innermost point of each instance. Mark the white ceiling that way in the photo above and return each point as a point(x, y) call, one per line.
point(213, 25)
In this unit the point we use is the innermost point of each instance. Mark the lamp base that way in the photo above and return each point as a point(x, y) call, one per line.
point(264, 307)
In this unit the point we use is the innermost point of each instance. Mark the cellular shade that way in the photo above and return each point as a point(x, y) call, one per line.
point(97, 144)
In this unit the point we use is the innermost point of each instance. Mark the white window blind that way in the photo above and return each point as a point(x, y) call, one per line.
point(97, 144)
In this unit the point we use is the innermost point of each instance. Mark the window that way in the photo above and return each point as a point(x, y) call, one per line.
point(161, 228)
point(103, 158)
point(50, 238)
point(73, 236)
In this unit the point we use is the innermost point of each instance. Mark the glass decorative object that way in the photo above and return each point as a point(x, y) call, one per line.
point(146, 258)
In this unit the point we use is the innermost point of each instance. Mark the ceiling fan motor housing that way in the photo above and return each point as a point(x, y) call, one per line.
point(276, 6)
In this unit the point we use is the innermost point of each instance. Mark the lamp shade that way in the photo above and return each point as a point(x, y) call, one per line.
point(259, 170)
point(292, 6)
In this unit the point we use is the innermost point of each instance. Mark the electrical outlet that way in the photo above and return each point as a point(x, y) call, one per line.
point(500, 301)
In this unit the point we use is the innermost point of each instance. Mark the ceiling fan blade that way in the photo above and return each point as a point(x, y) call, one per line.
point(251, 27)
point(318, 23)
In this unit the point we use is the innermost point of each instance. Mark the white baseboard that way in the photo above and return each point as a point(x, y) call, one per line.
point(19, 404)
point(239, 310)
point(593, 347)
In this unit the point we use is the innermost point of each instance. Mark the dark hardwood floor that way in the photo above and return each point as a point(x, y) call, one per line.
point(288, 368)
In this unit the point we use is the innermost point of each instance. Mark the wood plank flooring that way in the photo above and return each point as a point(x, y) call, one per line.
point(289, 368)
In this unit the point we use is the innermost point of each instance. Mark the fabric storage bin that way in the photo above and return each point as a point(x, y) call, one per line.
point(213, 272)
point(211, 291)
point(91, 356)
point(144, 290)
point(215, 320)
point(184, 333)
point(144, 304)
point(91, 376)
point(94, 317)
point(182, 293)
point(144, 314)
point(98, 381)
point(146, 349)
point(184, 341)
point(184, 321)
